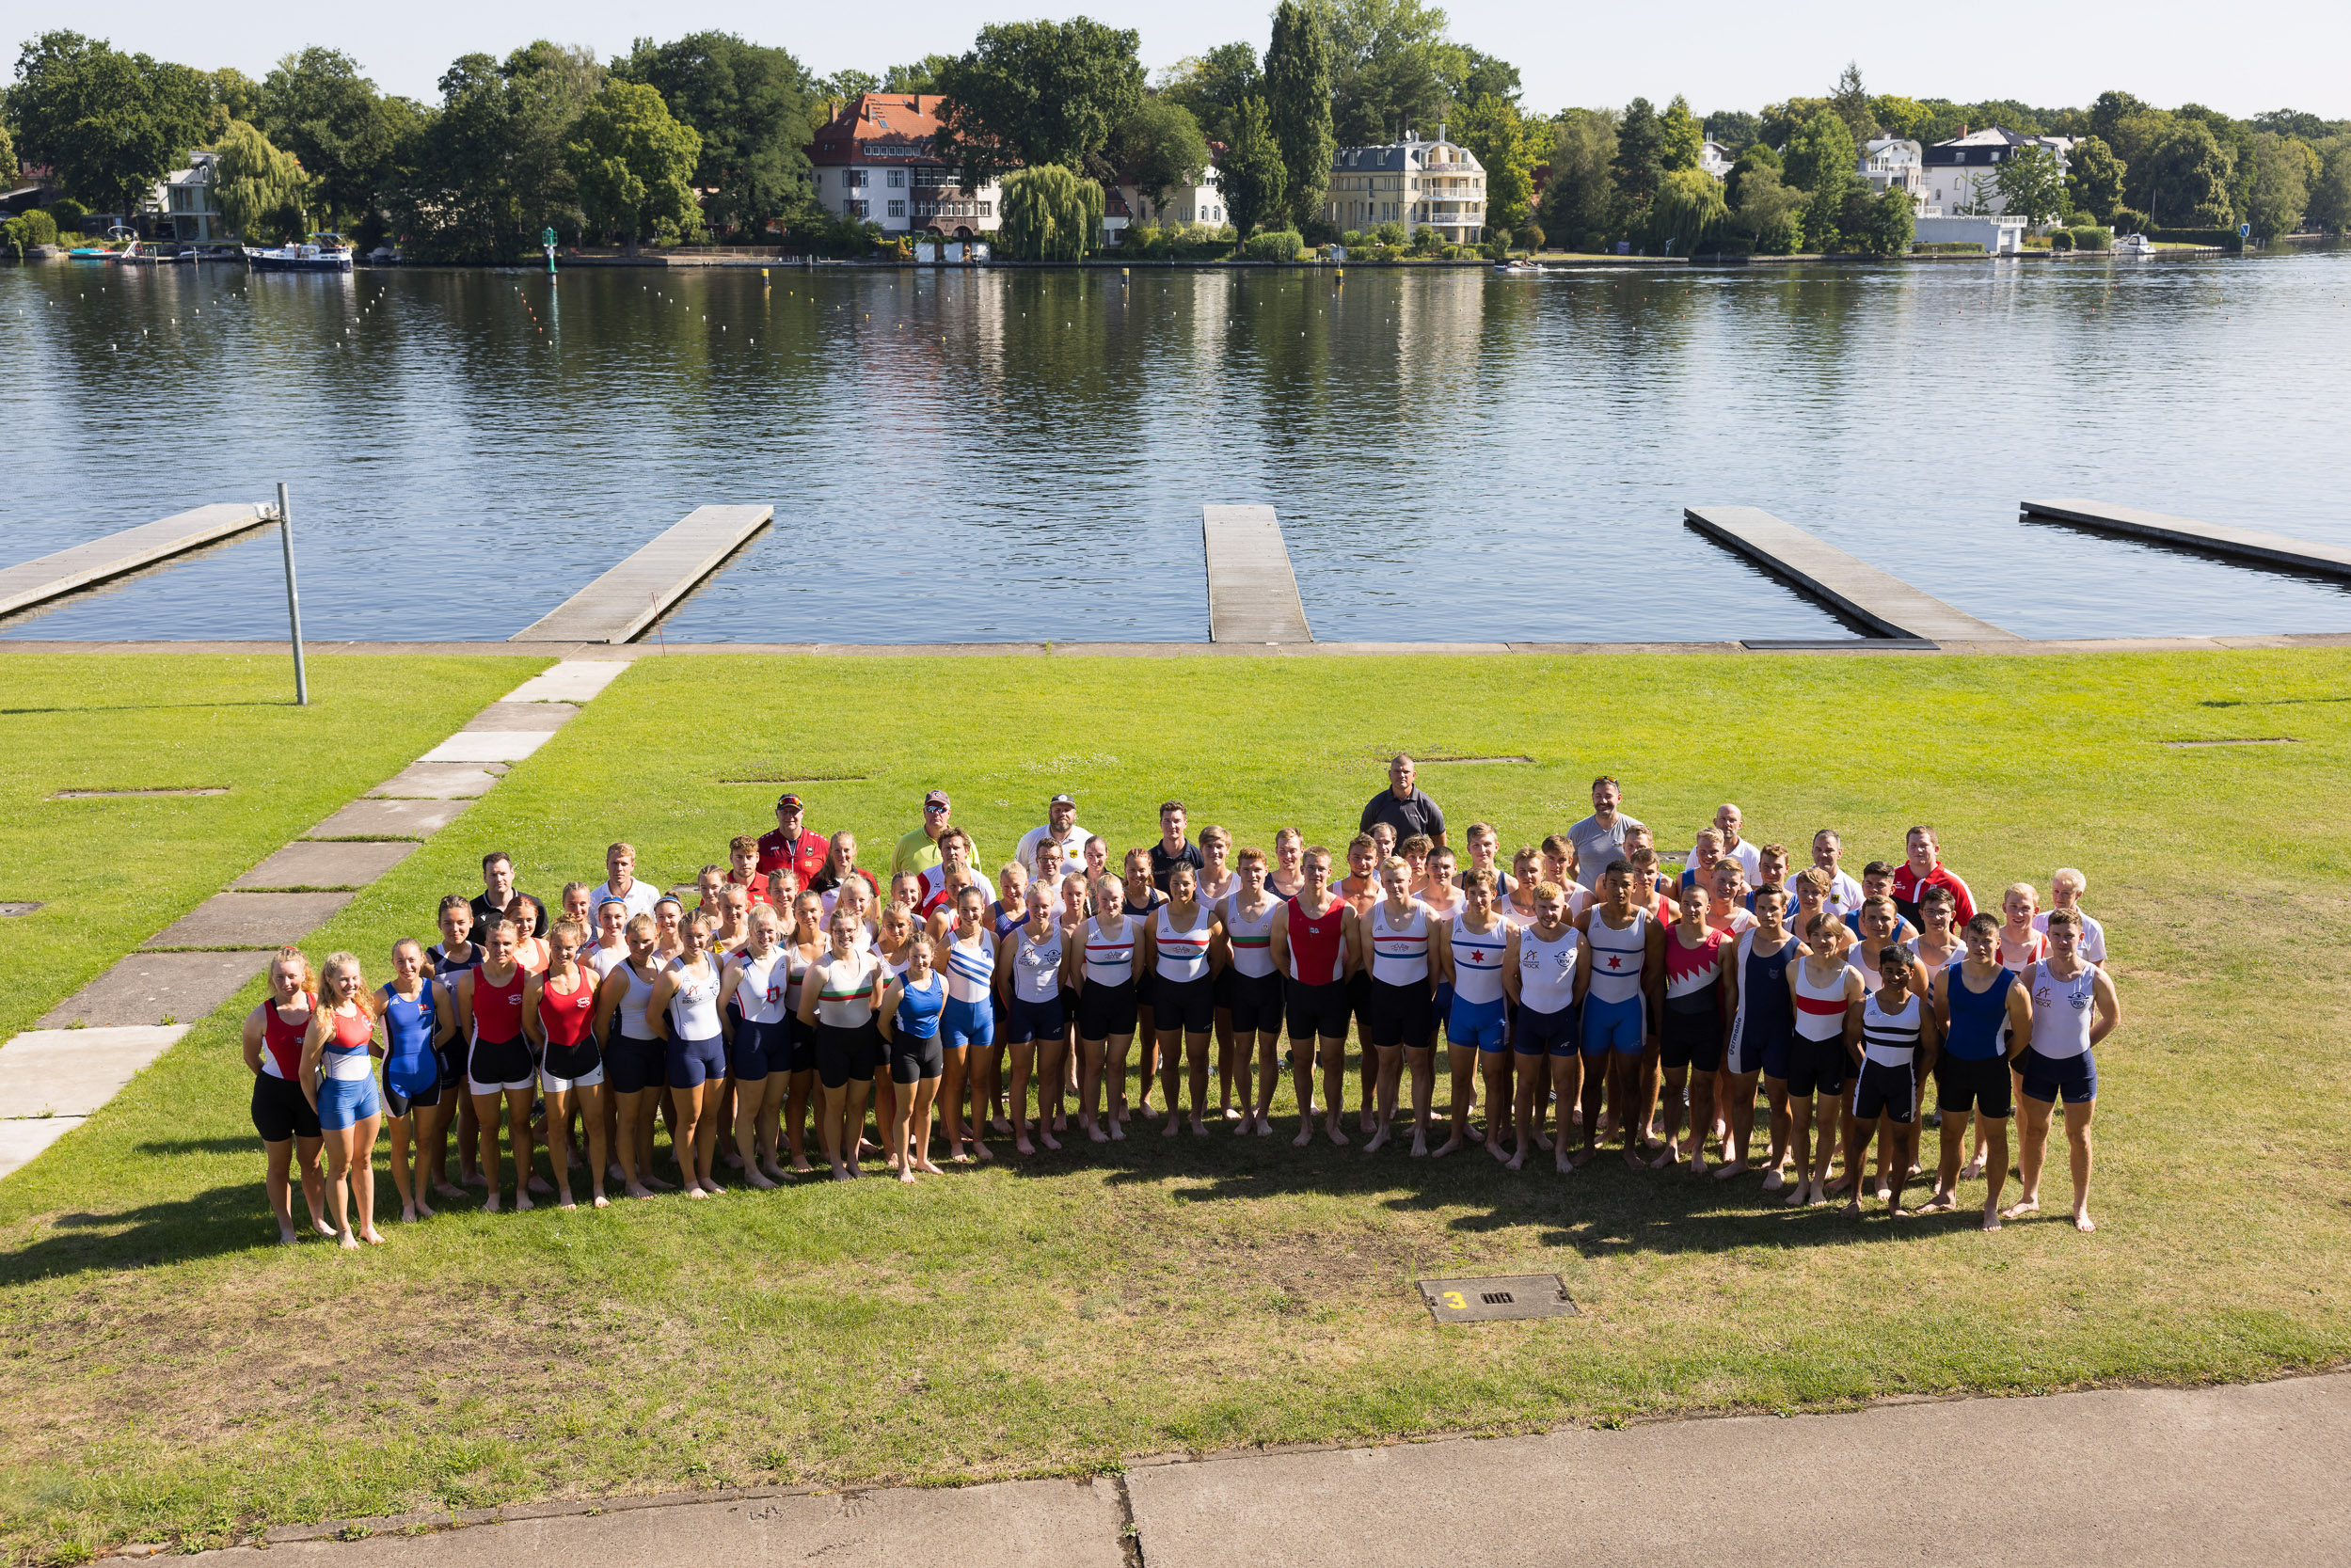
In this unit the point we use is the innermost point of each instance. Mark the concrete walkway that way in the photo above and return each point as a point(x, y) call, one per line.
point(2126, 1478)
point(88, 1047)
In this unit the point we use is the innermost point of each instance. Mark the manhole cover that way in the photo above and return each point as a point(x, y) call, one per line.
point(1478, 1301)
point(8, 907)
point(2261, 741)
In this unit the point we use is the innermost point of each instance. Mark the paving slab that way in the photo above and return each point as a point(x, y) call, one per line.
point(572, 680)
point(252, 920)
point(488, 746)
point(148, 988)
point(509, 715)
point(33, 582)
point(390, 819)
point(622, 603)
point(2126, 1478)
point(1027, 1523)
point(342, 865)
point(22, 1140)
point(2242, 544)
point(1252, 593)
point(439, 781)
point(75, 1071)
point(1877, 599)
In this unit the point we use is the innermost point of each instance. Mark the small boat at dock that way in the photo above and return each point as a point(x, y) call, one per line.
point(321, 252)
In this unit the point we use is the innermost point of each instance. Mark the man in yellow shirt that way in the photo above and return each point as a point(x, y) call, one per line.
point(919, 850)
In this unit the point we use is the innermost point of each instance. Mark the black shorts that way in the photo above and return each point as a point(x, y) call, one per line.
point(397, 1104)
point(1395, 1016)
point(633, 1064)
point(1256, 1003)
point(281, 1110)
point(912, 1060)
point(1886, 1091)
point(804, 1047)
point(1692, 1039)
point(1105, 1012)
point(1818, 1066)
point(1223, 988)
point(1540, 1033)
point(1187, 1004)
point(1316, 1011)
point(1983, 1087)
point(844, 1053)
point(453, 1059)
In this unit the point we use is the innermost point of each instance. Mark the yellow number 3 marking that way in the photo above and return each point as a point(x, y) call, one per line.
point(1454, 1300)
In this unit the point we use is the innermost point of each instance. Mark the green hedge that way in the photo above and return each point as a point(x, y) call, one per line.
point(2091, 237)
point(1279, 244)
point(1949, 248)
point(2225, 238)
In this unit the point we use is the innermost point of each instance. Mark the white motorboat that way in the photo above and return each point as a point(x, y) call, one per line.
point(320, 253)
point(2133, 245)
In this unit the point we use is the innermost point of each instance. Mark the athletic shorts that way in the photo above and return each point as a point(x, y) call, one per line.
point(965, 1023)
point(1546, 1034)
point(1358, 992)
point(1818, 1066)
point(1316, 1011)
point(757, 1050)
point(496, 1066)
point(1026, 1020)
point(347, 1101)
point(405, 1091)
point(1614, 1025)
point(281, 1110)
point(804, 1047)
point(1980, 1085)
point(844, 1053)
point(912, 1060)
point(1751, 1049)
point(1693, 1039)
point(1478, 1024)
point(1257, 1002)
point(1187, 1004)
point(453, 1066)
point(1884, 1090)
point(1395, 1016)
point(689, 1064)
point(635, 1065)
point(1223, 987)
point(1105, 1012)
point(2047, 1077)
point(550, 1082)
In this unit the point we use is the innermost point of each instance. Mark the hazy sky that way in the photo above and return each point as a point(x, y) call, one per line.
point(1722, 53)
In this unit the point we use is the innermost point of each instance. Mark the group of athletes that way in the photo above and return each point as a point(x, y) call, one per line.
point(1589, 995)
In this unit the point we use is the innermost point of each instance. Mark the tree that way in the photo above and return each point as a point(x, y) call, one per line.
point(1689, 208)
point(1493, 131)
point(2330, 197)
point(1734, 128)
point(2096, 178)
point(1253, 176)
point(1159, 147)
point(548, 86)
point(1580, 208)
point(1771, 211)
point(7, 156)
point(2285, 169)
point(1780, 121)
point(1820, 162)
point(1680, 137)
point(2187, 178)
point(1394, 69)
point(1050, 214)
point(848, 84)
point(1905, 117)
point(1640, 163)
point(1490, 76)
point(635, 162)
point(1889, 223)
point(1852, 105)
point(750, 105)
point(316, 106)
point(921, 76)
point(2291, 122)
point(1758, 156)
point(257, 187)
point(1037, 92)
point(110, 124)
point(2030, 185)
point(1297, 95)
point(235, 96)
point(1211, 86)
point(2107, 114)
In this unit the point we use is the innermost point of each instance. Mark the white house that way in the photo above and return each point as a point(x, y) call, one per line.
point(1895, 162)
point(873, 161)
point(1959, 173)
point(1421, 184)
point(1197, 202)
point(1715, 159)
point(185, 200)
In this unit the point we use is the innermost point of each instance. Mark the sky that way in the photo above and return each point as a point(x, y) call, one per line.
point(1721, 54)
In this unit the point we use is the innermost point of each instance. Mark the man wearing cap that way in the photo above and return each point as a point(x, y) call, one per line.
point(790, 845)
point(1404, 807)
point(1062, 827)
point(919, 850)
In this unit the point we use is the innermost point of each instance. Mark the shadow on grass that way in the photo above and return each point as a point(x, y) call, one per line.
point(141, 707)
point(244, 1144)
point(209, 1223)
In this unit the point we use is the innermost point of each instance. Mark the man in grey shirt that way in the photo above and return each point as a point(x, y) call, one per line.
point(1599, 838)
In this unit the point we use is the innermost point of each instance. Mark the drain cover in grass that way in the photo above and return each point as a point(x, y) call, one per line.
point(1478, 1301)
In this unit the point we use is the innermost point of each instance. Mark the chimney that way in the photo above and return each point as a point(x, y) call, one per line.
point(1440, 130)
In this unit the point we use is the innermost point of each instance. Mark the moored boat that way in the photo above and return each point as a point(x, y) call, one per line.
point(321, 252)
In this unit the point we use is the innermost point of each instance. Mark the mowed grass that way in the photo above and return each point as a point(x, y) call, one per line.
point(113, 872)
point(169, 1376)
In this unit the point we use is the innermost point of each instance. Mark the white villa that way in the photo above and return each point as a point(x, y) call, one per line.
point(873, 161)
point(1715, 159)
point(1421, 184)
point(1960, 172)
point(1891, 162)
point(185, 198)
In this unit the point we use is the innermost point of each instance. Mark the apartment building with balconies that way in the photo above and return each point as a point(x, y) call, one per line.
point(1421, 184)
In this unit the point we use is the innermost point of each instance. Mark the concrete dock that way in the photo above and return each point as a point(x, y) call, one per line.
point(2243, 543)
point(620, 605)
point(52, 576)
point(1252, 593)
point(1878, 600)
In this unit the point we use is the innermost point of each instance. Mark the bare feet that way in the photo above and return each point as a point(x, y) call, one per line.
point(1449, 1145)
point(1582, 1156)
point(658, 1185)
point(2022, 1207)
point(758, 1179)
point(981, 1149)
point(1378, 1139)
point(1306, 1136)
point(1175, 1125)
point(697, 1193)
point(445, 1190)
point(1670, 1157)
point(1419, 1143)
point(1795, 1199)
point(538, 1184)
point(1632, 1158)
point(1117, 1134)
point(1264, 1127)
point(286, 1236)
point(1972, 1169)
point(371, 1236)
point(1992, 1216)
point(1336, 1135)
point(1941, 1200)
point(323, 1227)
point(1502, 1155)
point(638, 1189)
point(564, 1200)
point(1542, 1142)
point(1096, 1133)
point(1517, 1161)
point(1853, 1206)
point(1773, 1180)
point(602, 1202)
point(348, 1242)
point(2083, 1223)
point(1698, 1162)
point(925, 1167)
point(1200, 1128)
point(1022, 1146)
point(907, 1175)
point(489, 1205)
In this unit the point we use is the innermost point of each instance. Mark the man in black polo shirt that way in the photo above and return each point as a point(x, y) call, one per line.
point(1173, 848)
point(498, 890)
point(1403, 808)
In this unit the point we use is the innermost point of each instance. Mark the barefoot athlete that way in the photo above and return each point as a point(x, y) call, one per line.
point(339, 1076)
point(1541, 986)
point(967, 1035)
point(1691, 1026)
point(1474, 952)
point(1217, 884)
point(1178, 944)
point(1763, 1031)
point(1892, 1047)
point(1360, 888)
point(1105, 958)
point(1619, 964)
point(2073, 1008)
point(558, 1015)
point(757, 1026)
point(420, 1017)
point(1392, 949)
point(636, 1067)
point(498, 1058)
point(1027, 980)
point(839, 997)
point(1256, 989)
point(1827, 992)
point(909, 1014)
point(1313, 943)
point(1984, 1014)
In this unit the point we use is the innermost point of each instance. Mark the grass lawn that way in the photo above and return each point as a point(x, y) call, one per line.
point(169, 1376)
point(113, 872)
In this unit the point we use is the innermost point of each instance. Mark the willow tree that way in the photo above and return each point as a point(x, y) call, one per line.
point(1689, 209)
point(1049, 214)
point(256, 186)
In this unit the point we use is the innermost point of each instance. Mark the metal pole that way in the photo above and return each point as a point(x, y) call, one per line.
point(293, 599)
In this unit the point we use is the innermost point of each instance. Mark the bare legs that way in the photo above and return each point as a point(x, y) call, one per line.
point(1567, 1088)
point(841, 1125)
point(519, 1138)
point(909, 1126)
point(1461, 1065)
point(1991, 1136)
point(1493, 1065)
point(949, 1093)
point(1734, 1094)
point(757, 1105)
point(351, 1156)
point(1389, 1059)
point(1099, 1060)
point(799, 1095)
point(1260, 1113)
point(408, 1179)
point(2032, 1117)
point(1808, 1114)
point(1421, 1060)
point(589, 1098)
point(1172, 1063)
point(695, 1135)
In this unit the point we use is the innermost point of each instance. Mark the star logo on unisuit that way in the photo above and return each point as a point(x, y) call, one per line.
point(1615, 962)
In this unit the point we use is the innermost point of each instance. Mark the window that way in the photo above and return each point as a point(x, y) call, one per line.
point(861, 209)
point(895, 180)
point(853, 179)
point(983, 210)
point(897, 209)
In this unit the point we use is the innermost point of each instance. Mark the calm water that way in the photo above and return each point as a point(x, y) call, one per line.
point(984, 455)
